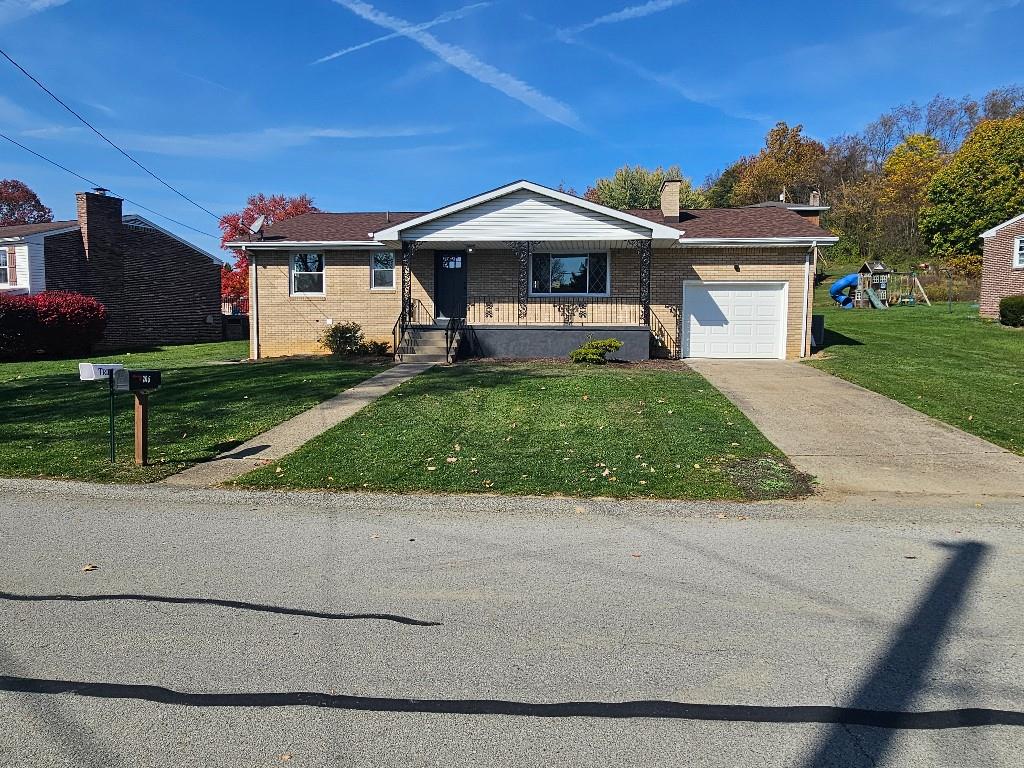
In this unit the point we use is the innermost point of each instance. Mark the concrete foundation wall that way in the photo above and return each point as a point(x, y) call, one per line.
point(522, 342)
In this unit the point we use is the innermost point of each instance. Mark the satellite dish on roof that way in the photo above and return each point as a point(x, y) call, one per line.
point(257, 226)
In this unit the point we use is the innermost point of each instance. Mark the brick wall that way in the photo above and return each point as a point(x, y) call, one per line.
point(670, 268)
point(999, 278)
point(292, 325)
point(156, 289)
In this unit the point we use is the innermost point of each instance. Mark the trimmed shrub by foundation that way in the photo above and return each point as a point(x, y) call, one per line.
point(1011, 311)
point(346, 340)
point(594, 351)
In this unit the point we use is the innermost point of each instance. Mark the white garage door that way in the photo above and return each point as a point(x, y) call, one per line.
point(734, 320)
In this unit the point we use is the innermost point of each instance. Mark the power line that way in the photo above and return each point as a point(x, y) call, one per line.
point(99, 133)
point(92, 183)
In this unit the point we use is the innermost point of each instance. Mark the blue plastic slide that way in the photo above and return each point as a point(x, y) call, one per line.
point(844, 300)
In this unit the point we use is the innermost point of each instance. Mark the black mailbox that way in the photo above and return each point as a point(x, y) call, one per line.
point(136, 381)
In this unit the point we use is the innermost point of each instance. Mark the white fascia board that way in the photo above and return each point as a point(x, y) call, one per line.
point(742, 241)
point(991, 232)
point(275, 245)
point(658, 231)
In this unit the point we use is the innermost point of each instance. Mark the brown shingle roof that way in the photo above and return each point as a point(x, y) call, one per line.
point(737, 222)
point(24, 230)
point(335, 226)
point(699, 223)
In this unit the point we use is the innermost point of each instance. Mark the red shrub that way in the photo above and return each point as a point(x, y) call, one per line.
point(18, 326)
point(54, 323)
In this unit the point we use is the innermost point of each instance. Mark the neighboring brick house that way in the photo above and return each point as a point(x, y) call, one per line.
point(1002, 271)
point(157, 288)
point(529, 271)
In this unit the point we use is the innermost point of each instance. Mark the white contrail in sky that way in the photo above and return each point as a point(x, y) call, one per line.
point(12, 10)
point(631, 12)
point(466, 62)
point(444, 18)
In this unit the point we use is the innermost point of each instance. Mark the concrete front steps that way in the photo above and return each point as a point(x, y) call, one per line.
point(425, 344)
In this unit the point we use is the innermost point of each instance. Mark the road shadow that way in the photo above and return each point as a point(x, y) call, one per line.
point(901, 672)
point(236, 604)
point(659, 709)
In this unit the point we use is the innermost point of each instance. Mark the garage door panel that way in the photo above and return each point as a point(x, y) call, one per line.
point(734, 320)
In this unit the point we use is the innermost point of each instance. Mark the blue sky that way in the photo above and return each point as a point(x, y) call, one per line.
point(428, 102)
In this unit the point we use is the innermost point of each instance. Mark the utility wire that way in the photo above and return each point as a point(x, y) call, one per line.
point(97, 131)
point(92, 183)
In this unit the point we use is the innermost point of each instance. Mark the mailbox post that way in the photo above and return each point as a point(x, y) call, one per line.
point(98, 372)
point(142, 428)
point(140, 384)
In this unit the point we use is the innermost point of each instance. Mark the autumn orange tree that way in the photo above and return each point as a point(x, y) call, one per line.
point(234, 281)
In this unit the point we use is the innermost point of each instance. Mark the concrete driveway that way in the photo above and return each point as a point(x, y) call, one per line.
point(857, 441)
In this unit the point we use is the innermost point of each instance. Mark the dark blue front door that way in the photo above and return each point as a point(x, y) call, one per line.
point(450, 283)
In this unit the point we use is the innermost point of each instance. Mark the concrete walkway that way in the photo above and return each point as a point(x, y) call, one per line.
point(857, 441)
point(288, 436)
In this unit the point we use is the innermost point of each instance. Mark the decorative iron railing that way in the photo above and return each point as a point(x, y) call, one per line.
point(489, 309)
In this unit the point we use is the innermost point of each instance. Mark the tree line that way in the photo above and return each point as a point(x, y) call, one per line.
point(919, 182)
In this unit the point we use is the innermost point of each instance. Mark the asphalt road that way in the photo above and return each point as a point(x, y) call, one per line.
point(230, 629)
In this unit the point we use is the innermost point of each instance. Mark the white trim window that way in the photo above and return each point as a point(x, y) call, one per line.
point(5, 268)
point(307, 278)
point(1018, 253)
point(570, 274)
point(382, 271)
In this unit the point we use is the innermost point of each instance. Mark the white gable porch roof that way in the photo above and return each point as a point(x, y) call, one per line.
point(526, 211)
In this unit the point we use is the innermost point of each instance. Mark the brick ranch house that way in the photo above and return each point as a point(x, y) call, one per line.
point(1002, 271)
point(527, 271)
point(157, 288)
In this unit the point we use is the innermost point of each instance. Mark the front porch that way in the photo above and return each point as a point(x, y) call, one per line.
point(525, 299)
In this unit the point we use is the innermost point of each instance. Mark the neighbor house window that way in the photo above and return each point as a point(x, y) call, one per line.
point(578, 273)
point(1018, 253)
point(307, 274)
point(382, 271)
point(5, 275)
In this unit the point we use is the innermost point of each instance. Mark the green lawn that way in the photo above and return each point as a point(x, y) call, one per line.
point(54, 425)
point(545, 428)
point(955, 367)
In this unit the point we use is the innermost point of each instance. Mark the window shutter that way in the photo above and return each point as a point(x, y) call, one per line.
point(12, 268)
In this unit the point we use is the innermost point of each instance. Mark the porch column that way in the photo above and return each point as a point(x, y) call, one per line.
point(408, 251)
point(643, 252)
point(524, 252)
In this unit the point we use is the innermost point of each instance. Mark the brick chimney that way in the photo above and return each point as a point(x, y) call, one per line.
point(99, 218)
point(670, 199)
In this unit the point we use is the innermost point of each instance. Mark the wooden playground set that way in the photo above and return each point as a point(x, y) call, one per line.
point(875, 286)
